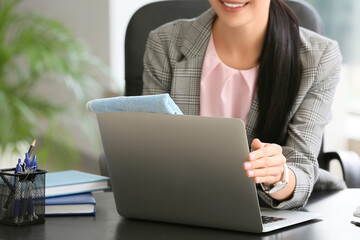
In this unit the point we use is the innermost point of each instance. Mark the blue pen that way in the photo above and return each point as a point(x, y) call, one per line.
point(27, 163)
point(27, 200)
point(17, 198)
point(33, 164)
point(31, 212)
point(26, 192)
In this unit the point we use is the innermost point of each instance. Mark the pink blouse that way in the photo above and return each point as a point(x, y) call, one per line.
point(225, 91)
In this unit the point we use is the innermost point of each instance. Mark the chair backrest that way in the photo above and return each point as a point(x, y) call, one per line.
point(307, 15)
point(142, 22)
point(155, 14)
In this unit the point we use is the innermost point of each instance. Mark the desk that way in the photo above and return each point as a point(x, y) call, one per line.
point(336, 207)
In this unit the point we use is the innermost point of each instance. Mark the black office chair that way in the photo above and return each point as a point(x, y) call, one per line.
point(155, 14)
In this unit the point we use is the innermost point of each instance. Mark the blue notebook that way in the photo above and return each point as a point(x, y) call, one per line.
point(72, 182)
point(77, 204)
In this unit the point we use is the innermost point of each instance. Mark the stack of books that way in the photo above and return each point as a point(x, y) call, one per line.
point(70, 192)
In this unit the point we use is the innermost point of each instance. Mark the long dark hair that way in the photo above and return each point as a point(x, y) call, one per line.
point(279, 73)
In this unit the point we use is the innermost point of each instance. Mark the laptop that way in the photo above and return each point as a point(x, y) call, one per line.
point(187, 170)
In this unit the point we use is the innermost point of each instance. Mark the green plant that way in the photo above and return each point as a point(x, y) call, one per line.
point(34, 52)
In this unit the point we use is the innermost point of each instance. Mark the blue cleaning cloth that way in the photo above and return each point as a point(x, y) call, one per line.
point(161, 103)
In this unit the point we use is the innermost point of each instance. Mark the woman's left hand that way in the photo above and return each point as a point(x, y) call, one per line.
point(266, 163)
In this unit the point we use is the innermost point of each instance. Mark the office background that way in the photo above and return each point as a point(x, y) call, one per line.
point(101, 24)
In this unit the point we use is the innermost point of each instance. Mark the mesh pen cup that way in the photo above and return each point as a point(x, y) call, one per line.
point(22, 197)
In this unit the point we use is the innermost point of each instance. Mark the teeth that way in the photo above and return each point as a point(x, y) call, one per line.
point(234, 5)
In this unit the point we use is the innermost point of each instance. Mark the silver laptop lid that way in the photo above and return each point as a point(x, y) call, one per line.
point(181, 169)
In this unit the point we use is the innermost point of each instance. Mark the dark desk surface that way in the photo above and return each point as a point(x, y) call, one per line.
point(337, 209)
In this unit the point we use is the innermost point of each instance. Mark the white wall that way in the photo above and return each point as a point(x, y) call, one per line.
point(88, 20)
point(120, 14)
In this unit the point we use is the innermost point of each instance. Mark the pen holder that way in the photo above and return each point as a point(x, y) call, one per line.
point(22, 197)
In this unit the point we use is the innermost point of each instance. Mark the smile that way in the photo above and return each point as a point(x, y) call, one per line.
point(234, 5)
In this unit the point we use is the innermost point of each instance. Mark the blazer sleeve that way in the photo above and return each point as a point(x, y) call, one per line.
point(157, 70)
point(306, 127)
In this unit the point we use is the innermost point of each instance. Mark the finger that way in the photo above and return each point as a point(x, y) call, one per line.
point(267, 179)
point(266, 172)
point(268, 151)
point(278, 160)
point(256, 144)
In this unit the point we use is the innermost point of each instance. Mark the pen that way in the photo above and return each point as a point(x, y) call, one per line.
point(32, 146)
point(31, 212)
point(33, 165)
point(27, 208)
point(26, 165)
point(17, 200)
point(356, 223)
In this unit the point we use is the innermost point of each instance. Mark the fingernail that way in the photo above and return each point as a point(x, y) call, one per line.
point(257, 180)
point(247, 166)
point(250, 173)
point(252, 156)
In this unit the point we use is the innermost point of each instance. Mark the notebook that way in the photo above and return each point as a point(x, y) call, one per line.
point(187, 170)
point(75, 204)
point(72, 182)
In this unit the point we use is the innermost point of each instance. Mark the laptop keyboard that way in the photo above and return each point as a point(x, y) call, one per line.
point(267, 219)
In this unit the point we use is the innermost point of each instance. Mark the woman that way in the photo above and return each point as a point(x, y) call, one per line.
point(250, 60)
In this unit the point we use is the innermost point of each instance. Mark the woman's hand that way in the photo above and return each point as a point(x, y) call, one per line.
point(266, 165)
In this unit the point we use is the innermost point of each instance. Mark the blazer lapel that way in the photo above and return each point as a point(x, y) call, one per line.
point(185, 89)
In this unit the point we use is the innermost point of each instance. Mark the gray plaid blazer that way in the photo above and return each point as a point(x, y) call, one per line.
point(173, 64)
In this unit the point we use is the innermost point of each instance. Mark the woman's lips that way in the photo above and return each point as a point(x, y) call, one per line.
point(233, 4)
